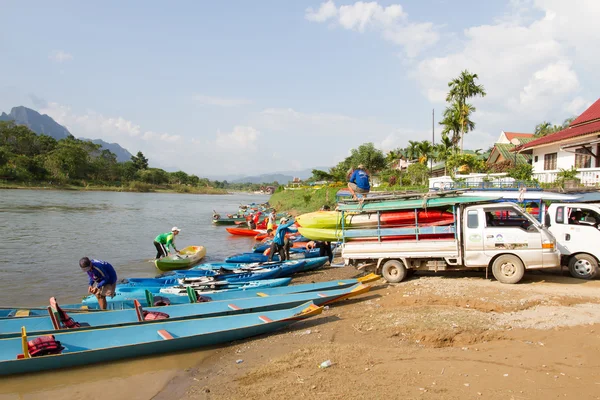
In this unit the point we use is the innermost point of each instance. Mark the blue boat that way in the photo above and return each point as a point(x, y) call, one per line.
point(52, 323)
point(258, 257)
point(181, 295)
point(122, 303)
point(101, 345)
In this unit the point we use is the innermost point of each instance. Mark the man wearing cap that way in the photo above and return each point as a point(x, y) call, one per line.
point(359, 182)
point(279, 240)
point(164, 240)
point(103, 279)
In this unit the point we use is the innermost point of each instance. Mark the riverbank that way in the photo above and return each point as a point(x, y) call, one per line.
point(133, 187)
point(451, 336)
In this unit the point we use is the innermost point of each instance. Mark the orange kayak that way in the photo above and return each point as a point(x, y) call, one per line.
point(245, 231)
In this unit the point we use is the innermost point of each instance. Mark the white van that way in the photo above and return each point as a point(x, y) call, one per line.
point(575, 226)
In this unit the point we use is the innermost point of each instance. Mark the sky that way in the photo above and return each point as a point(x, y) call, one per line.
point(239, 87)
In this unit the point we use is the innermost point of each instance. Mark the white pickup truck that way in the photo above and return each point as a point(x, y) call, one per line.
point(576, 228)
point(499, 236)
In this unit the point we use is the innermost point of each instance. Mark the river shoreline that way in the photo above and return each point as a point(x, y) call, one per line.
point(92, 188)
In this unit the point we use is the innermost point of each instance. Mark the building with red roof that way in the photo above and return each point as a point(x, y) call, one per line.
point(576, 146)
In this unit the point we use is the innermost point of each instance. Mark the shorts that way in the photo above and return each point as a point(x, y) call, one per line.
point(107, 290)
point(357, 189)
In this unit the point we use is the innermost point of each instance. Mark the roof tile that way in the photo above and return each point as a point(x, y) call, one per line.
point(592, 113)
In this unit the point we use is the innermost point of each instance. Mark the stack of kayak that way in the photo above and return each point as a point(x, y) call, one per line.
point(65, 338)
point(400, 220)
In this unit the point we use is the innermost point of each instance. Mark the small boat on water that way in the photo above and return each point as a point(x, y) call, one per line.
point(58, 320)
point(187, 257)
point(68, 349)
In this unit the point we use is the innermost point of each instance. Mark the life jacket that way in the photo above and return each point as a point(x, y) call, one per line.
point(161, 301)
point(154, 315)
point(43, 346)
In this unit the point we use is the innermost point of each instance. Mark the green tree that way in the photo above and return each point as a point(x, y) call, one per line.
point(412, 151)
point(425, 150)
point(461, 89)
point(417, 173)
point(139, 161)
point(179, 177)
point(444, 150)
point(367, 155)
point(318, 175)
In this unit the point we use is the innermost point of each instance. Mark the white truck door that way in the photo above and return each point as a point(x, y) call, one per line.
point(577, 231)
point(473, 223)
point(507, 230)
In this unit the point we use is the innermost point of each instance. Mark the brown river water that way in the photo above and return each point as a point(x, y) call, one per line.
point(44, 233)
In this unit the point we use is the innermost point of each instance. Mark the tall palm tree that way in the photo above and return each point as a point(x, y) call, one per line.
point(391, 158)
point(461, 89)
point(443, 150)
point(451, 124)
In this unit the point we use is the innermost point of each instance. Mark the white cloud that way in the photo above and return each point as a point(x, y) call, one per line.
point(60, 56)
point(553, 80)
point(326, 11)
point(391, 22)
point(577, 105)
point(241, 140)
point(220, 101)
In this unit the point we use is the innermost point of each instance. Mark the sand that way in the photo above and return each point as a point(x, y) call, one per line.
point(450, 336)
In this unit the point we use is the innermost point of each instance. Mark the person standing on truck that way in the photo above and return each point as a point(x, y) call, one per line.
point(359, 182)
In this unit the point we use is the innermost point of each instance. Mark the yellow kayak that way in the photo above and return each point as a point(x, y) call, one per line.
point(187, 257)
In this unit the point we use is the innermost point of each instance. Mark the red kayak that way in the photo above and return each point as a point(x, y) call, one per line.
point(244, 231)
point(425, 217)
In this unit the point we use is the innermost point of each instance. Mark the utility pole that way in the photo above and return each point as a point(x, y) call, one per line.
point(432, 138)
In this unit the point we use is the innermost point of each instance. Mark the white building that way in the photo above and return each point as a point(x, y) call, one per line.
point(577, 146)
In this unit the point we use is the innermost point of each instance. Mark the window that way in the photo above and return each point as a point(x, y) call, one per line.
point(536, 158)
point(583, 159)
point(560, 215)
point(506, 218)
point(472, 220)
point(549, 161)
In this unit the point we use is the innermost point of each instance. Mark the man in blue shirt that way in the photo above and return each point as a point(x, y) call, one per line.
point(359, 182)
point(280, 242)
point(102, 279)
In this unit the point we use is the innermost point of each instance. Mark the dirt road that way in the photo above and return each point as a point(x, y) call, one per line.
point(452, 336)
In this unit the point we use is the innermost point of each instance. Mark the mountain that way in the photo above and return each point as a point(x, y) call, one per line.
point(281, 177)
point(43, 124)
point(40, 124)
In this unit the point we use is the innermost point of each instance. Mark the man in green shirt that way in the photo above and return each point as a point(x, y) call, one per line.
point(164, 240)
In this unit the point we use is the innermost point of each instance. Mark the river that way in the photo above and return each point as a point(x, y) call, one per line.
point(44, 233)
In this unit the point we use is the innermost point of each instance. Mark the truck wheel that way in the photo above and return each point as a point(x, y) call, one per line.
point(508, 269)
point(583, 266)
point(393, 271)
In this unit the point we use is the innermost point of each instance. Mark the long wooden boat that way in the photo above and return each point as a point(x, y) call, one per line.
point(52, 322)
point(101, 345)
point(187, 257)
point(23, 312)
point(333, 219)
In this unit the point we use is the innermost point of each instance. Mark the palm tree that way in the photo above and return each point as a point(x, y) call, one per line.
point(425, 150)
point(461, 89)
point(451, 124)
point(392, 157)
point(444, 150)
point(412, 151)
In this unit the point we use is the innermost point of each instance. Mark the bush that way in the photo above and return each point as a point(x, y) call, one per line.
point(141, 187)
point(521, 172)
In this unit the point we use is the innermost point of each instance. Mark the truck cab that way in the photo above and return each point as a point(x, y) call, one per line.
point(576, 228)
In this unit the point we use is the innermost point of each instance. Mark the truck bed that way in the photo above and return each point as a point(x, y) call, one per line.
point(401, 248)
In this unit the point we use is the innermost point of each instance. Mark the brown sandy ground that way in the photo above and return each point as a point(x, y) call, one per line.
point(450, 336)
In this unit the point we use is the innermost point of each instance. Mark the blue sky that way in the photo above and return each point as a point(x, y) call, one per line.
point(239, 87)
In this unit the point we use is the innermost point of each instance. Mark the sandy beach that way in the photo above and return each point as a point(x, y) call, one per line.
point(451, 336)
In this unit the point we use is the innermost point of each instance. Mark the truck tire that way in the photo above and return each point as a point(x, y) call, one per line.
point(508, 269)
point(393, 271)
point(583, 266)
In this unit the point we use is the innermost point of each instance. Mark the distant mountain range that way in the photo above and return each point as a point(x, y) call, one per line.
point(43, 124)
point(281, 177)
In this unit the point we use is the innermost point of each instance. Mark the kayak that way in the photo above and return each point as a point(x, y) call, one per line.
point(333, 219)
point(187, 257)
point(425, 233)
point(258, 257)
point(245, 231)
